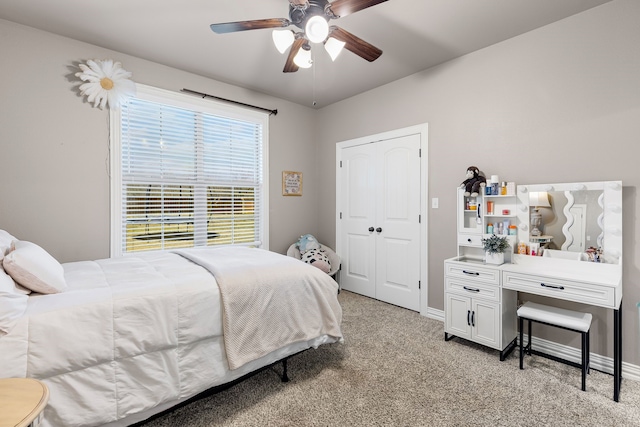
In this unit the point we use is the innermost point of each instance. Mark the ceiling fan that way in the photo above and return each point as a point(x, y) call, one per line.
point(312, 17)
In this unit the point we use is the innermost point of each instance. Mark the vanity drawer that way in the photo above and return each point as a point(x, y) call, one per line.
point(470, 240)
point(558, 288)
point(472, 273)
point(473, 289)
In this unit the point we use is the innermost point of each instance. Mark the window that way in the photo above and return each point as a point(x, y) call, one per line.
point(187, 172)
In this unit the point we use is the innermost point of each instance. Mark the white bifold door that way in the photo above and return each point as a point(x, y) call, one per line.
point(379, 213)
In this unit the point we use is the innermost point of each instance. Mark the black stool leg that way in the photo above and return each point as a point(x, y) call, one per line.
point(521, 325)
point(529, 345)
point(585, 359)
point(588, 352)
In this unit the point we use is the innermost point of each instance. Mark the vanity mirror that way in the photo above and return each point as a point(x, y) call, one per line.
point(572, 217)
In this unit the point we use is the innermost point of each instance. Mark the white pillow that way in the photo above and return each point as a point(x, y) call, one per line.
point(5, 243)
point(33, 267)
point(12, 303)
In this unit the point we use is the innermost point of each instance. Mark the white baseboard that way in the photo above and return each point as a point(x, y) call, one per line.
point(434, 314)
point(597, 361)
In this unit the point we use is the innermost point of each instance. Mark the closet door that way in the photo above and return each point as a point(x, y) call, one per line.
point(380, 208)
point(358, 219)
point(398, 219)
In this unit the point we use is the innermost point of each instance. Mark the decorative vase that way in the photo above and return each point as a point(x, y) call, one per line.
point(494, 258)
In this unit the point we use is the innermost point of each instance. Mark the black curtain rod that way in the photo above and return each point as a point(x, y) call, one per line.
point(206, 95)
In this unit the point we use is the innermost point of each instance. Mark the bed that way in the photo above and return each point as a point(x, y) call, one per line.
point(130, 337)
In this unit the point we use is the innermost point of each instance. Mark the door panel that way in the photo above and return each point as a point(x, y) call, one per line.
point(358, 215)
point(458, 313)
point(397, 214)
point(357, 274)
point(487, 320)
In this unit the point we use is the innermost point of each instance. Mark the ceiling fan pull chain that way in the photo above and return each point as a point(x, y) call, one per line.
point(313, 57)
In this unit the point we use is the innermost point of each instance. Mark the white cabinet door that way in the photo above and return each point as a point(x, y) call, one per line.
point(469, 213)
point(380, 206)
point(473, 319)
point(458, 315)
point(485, 322)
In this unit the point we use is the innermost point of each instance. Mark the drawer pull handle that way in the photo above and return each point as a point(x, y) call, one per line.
point(551, 286)
point(473, 318)
point(471, 273)
point(468, 316)
point(471, 289)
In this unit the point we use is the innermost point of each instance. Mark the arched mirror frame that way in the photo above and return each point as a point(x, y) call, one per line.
point(610, 221)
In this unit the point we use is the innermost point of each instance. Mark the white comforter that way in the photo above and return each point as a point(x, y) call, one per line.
point(130, 337)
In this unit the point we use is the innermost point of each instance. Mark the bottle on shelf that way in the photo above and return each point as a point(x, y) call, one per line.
point(503, 189)
point(495, 185)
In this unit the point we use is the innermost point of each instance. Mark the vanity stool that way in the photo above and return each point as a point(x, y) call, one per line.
point(560, 318)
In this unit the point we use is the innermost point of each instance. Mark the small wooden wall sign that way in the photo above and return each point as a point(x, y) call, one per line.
point(291, 183)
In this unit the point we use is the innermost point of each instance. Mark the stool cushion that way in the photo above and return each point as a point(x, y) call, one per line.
point(556, 316)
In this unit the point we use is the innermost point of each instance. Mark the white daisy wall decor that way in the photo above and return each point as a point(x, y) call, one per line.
point(107, 83)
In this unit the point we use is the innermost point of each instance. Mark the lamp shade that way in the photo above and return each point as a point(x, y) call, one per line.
point(282, 39)
point(317, 29)
point(333, 47)
point(303, 58)
point(539, 198)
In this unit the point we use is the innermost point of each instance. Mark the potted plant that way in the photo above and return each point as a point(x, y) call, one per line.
point(494, 249)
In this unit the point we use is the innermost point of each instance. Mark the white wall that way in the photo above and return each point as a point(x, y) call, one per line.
point(54, 178)
point(558, 104)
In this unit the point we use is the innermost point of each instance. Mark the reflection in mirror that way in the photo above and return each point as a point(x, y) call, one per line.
point(571, 220)
point(577, 216)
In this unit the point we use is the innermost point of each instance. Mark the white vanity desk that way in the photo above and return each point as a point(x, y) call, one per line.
point(600, 224)
point(481, 299)
point(579, 281)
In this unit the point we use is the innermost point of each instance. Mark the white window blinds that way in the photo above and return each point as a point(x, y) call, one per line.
point(188, 177)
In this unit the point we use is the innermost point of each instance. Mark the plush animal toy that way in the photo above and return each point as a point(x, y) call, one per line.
point(475, 183)
point(307, 242)
point(311, 253)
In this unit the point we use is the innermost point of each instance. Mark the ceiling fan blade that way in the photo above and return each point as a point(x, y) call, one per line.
point(290, 66)
point(356, 44)
point(258, 24)
point(345, 7)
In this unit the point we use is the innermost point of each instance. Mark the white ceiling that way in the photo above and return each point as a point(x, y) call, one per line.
point(413, 35)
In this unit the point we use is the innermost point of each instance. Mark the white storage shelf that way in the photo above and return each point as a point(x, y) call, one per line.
point(476, 307)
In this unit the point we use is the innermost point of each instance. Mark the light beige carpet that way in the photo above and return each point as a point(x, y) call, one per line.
point(395, 369)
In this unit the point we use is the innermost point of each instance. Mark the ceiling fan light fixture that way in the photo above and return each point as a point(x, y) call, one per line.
point(303, 58)
point(282, 39)
point(316, 29)
point(333, 47)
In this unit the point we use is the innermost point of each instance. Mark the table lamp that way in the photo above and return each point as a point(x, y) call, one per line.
point(537, 199)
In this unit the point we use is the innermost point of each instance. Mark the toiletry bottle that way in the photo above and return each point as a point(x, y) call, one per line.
point(522, 248)
point(503, 189)
point(489, 228)
point(495, 185)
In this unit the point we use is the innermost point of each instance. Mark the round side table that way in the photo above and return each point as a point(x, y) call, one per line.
point(22, 400)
